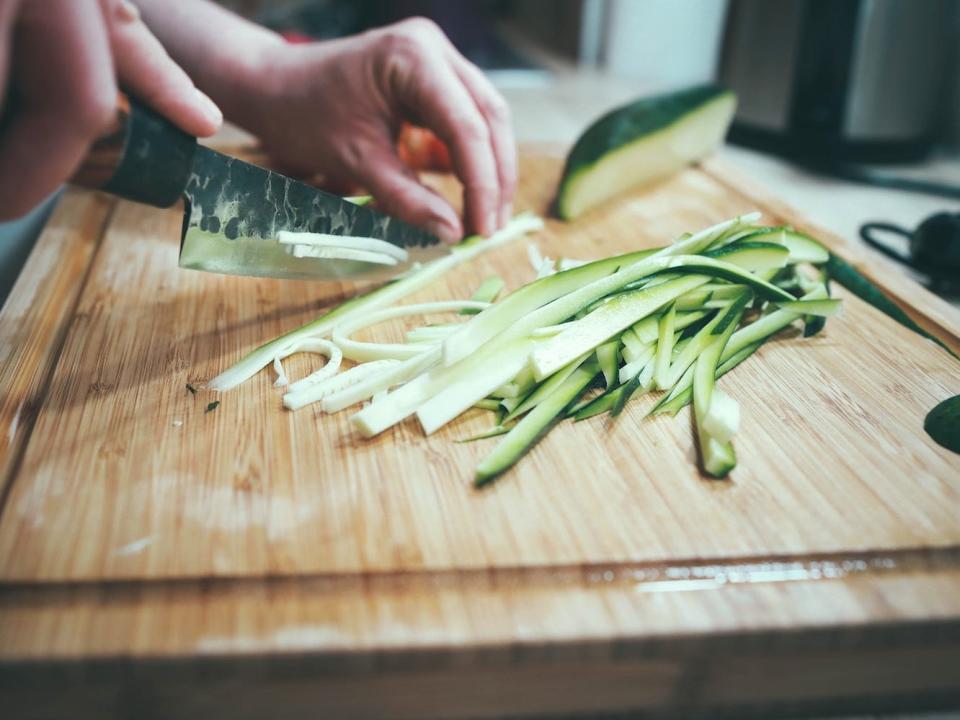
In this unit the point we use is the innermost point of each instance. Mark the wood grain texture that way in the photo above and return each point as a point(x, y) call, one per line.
point(139, 527)
point(35, 316)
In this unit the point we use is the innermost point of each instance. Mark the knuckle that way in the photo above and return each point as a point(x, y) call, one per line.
point(472, 130)
point(421, 26)
point(413, 37)
point(497, 109)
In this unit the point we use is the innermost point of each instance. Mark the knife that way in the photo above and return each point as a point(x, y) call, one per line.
point(233, 210)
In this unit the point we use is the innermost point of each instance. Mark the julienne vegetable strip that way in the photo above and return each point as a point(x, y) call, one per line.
point(378, 298)
point(675, 319)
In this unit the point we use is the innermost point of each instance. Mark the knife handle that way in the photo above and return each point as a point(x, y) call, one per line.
point(141, 157)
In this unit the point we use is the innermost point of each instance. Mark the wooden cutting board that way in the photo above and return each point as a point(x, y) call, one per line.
point(288, 561)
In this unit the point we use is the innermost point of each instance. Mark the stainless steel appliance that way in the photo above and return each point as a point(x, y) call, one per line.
point(839, 80)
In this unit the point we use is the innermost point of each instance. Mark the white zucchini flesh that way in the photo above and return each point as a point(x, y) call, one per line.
point(736, 264)
point(391, 377)
point(463, 392)
point(384, 296)
point(360, 350)
point(316, 345)
point(574, 289)
point(606, 321)
point(722, 420)
point(664, 348)
point(319, 241)
point(365, 256)
point(429, 333)
point(546, 388)
point(633, 368)
point(296, 399)
point(827, 307)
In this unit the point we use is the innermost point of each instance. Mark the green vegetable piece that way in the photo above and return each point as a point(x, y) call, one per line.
point(360, 200)
point(607, 358)
point(718, 458)
point(852, 279)
point(637, 143)
point(498, 429)
point(943, 423)
point(212, 406)
point(488, 291)
point(534, 425)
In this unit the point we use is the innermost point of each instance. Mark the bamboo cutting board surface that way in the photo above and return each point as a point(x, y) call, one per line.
point(117, 484)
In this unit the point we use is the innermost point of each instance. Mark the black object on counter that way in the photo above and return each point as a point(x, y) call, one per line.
point(932, 249)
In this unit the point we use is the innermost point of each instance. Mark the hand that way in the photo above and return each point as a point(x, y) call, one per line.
point(58, 88)
point(336, 107)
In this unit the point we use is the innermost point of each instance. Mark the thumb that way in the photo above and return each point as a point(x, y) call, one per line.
point(146, 71)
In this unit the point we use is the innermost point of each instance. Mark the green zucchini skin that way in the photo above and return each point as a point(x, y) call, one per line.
point(647, 128)
point(943, 423)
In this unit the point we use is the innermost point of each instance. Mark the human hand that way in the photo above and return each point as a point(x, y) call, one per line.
point(336, 107)
point(61, 62)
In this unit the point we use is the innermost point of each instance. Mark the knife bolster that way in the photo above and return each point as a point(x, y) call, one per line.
point(142, 158)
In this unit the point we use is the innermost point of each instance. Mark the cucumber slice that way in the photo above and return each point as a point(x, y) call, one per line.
point(675, 402)
point(820, 308)
point(852, 279)
point(534, 425)
point(488, 292)
point(523, 301)
point(716, 455)
point(627, 308)
point(801, 246)
point(664, 352)
point(635, 144)
point(723, 416)
point(607, 359)
point(545, 389)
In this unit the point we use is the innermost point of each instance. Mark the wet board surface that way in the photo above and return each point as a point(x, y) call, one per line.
point(135, 524)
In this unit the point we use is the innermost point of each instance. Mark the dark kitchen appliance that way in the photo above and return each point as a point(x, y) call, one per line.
point(839, 80)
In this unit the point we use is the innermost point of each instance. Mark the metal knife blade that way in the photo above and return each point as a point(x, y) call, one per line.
point(234, 211)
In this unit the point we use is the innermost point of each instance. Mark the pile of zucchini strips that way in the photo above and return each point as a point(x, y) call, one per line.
point(582, 339)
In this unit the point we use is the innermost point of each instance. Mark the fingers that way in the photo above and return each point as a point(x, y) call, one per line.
point(497, 115)
point(422, 81)
point(146, 71)
point(65, 94)
point(401, 195)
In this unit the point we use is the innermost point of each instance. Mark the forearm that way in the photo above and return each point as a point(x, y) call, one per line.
point(221, 51)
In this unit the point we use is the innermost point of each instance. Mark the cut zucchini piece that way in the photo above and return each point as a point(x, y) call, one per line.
point(607, 358)
point(534, 425)
point(664, 348)
point(716, 454)
point(646, 140)
point(488, 292)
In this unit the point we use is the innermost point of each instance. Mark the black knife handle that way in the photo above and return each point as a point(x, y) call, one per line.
point(142, 157)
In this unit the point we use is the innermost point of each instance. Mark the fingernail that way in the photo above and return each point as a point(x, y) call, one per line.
point(506, 212)
point(208, 107)
point(491, 225)
point(442, 230)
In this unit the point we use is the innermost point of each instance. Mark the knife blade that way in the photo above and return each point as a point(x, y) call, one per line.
point(233, 209)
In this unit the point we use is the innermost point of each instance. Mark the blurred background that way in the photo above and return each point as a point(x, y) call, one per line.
point(848, 109)
point(873, 79)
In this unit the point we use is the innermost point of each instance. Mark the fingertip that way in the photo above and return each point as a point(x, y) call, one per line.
point(211, 115)
point(444, 230)
point(506, 212)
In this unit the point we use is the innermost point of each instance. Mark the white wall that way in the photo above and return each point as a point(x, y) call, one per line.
point(664, 44)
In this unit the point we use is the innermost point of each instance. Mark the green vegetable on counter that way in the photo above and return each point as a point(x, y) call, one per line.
point(646, 140)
